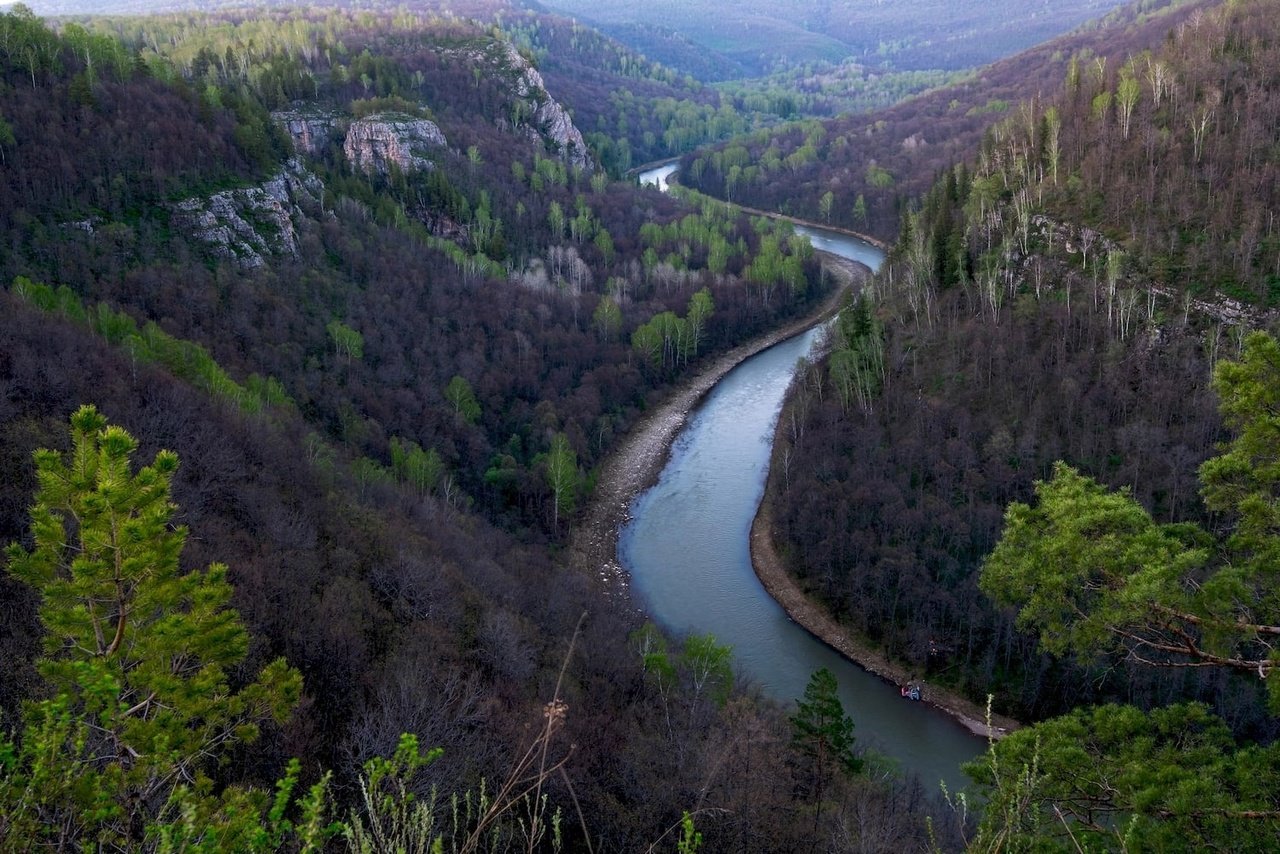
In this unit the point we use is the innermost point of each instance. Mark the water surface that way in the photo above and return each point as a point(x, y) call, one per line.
point(687, 549)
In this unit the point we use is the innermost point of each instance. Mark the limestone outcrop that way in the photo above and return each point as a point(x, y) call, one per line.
point(311, 132)
point(378, 141)
point(550, 120)
point(539, 116)
point(247, 225)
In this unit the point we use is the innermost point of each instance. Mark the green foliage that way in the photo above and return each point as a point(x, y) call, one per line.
point(422, 470)
point(138, 658)
point(393, 818)
point(710, 667)
point(184, 359)
point(879, 177)
point(825, 203)
point(822, 740)
point(856, 364)
point(563, 476)
point(1087, 563)
point(701, 307)
point(607, 318)
point(821, 731)
point(1245, 479)
point(1093, 572)
point(655, 656)
point(690, 841)
point(27, 45)
point(703, 663)
point(362, 107)
point(1116, 778)
point(463, 400)
point(347, 342)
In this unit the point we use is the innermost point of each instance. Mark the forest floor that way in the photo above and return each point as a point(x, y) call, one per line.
point(637, 462)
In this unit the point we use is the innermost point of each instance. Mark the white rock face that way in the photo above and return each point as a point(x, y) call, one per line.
point(376, 142)
point(250, 224)
point(544, 119)
point(311, 132)
point(550, 119)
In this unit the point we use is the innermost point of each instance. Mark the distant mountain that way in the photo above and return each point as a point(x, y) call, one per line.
point(888, 157)
point(918, 34)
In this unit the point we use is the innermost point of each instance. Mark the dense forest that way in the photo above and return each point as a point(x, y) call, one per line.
point(326, 319)
point(1056, 307)
point(359, 273)
point(862, 171)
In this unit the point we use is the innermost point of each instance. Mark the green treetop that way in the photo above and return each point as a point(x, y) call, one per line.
point(822, 737)
point(1093, 573)
point(137, 657)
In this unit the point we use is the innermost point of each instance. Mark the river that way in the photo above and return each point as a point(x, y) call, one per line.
point(687, 551)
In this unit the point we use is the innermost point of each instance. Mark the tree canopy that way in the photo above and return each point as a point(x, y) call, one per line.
point(1093, 572)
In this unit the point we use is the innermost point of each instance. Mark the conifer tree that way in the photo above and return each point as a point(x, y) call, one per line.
point(822, 735)
point(138, 660)
point(1095, 574)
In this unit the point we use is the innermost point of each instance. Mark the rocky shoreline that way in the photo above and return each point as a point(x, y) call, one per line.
point(817, 621)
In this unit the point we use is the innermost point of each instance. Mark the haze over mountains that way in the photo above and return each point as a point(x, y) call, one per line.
point(746, 39)
point(920, 34)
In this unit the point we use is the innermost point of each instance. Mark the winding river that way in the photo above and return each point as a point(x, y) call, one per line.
point(687, 551)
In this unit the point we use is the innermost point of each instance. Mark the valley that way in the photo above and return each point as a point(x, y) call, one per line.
point(411, 462)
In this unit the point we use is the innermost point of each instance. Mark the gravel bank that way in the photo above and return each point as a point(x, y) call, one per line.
point(638, 461)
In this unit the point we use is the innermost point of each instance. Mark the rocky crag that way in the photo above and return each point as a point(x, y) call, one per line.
point(538, 116)
point(252, 223)
point(379, 141)
point(311, 132)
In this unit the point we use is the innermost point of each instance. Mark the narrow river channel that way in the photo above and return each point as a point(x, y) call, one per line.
point(687, 551)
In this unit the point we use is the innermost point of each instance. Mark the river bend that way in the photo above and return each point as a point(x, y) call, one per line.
point(687, 551)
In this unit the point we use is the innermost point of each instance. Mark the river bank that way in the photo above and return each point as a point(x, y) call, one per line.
point(636, 463)
point(814, 618)
point(818, 621)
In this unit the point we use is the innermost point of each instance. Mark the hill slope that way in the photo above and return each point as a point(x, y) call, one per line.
point(357, 271)
point(915, 35)
point(1060, 298)
point(889, 157)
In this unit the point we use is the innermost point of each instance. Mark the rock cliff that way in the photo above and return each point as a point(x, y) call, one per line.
point(539, 116)
point(248, 224)
point(311, 132)
point(376, 142)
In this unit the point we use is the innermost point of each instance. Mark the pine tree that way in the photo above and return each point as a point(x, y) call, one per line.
point(137, 660)
point(1094, 573)
point(822, 735)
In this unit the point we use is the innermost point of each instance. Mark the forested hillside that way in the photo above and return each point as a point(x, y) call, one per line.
point(913, 35)
point(372, 278)
point(862, 171)
point(1063, 296)
point(362, 274)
